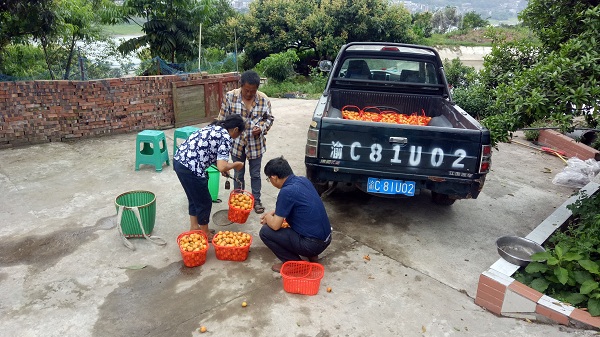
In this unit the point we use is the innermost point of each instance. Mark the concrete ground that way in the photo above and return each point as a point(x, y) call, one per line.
point(65, 272)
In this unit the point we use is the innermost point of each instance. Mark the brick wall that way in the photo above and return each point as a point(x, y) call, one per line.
point(50, 111)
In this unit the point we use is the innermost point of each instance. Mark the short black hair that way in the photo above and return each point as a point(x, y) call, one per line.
point(278, 167)
point(250, 77)
point(231, 121)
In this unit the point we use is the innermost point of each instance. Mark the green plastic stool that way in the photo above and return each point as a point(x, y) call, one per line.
point(213, 182)
point(153, 151)
point(182, 133)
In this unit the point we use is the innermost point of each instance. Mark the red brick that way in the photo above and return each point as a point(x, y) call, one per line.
point(525, 291)
point(490, 295)
point(585, 317)
point(489, 306)
point(553, 315)
point(492, 283)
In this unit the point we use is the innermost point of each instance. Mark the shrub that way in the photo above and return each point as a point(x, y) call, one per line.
point(278, 67)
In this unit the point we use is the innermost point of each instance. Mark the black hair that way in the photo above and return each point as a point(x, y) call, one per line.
point(250, 77)
point(231, 122)
point(278, 167)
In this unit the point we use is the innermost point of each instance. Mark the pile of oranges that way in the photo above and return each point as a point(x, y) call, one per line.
point(241, 201)
point(193, 242)
point(232, 246)
point(232, 239)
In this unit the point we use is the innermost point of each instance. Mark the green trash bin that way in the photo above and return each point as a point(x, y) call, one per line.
point(213, 182)
point(145, 202)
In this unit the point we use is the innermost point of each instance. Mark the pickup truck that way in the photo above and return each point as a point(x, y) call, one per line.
point(443, 150)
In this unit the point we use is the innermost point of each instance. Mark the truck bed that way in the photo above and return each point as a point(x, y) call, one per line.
point(443, 113)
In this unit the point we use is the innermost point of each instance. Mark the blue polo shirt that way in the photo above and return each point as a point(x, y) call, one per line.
point(299, 203)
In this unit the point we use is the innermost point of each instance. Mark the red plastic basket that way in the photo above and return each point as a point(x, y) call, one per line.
point(193, 259)
point(302, 277)
point(236, 214)
point(231, 253)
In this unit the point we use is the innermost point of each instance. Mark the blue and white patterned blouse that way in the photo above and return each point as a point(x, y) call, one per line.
point(203, 148)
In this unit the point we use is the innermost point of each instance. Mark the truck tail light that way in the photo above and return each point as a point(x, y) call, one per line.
point(312, 143)
point(486, 159)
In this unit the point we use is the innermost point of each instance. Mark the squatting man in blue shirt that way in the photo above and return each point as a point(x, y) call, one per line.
point(299, 204)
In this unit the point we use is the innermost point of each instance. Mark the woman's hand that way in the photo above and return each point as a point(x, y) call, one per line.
point(238, 165)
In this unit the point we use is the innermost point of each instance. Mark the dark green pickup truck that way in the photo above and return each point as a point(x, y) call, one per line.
point(442, 149)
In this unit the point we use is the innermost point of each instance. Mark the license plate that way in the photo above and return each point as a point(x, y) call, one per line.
point(391, 186)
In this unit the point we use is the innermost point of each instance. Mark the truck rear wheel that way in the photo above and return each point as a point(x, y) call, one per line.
point(442, 199)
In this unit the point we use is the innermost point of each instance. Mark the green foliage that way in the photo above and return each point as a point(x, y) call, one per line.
point(273, 26)
point(569, 270)
point(421, 24)
point(457, 74)
point(23, 62)
point(557, 21)
point(475, 99)
point(557, 85)
point(170, 28)
point(278, 67)
point(311, 88)
point(472, 20)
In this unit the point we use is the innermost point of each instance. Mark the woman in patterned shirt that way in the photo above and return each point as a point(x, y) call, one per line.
point(205, 147)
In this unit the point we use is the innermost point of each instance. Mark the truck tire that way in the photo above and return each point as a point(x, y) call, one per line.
point(442, 199)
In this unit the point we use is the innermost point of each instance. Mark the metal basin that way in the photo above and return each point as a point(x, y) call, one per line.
point(517, 250)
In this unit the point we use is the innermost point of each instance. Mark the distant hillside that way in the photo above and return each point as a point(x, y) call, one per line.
point(500, 10)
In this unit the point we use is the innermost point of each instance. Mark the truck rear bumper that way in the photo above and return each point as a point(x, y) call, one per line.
point(456, 188)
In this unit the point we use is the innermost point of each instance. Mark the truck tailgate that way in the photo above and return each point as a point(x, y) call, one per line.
point(391, 148)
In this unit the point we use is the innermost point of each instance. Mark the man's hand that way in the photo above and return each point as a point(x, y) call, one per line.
point(256, 131)
point(263, 218)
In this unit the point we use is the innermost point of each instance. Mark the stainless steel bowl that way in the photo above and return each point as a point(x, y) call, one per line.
point(517, 250)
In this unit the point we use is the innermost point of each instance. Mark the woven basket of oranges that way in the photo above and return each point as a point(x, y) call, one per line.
point(241, 203)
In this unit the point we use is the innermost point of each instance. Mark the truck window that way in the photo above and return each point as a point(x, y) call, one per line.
point(388, 70)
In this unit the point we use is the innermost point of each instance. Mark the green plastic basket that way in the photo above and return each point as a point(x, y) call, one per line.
point(146, 203)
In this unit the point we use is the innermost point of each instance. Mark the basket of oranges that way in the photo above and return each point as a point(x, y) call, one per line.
point(241, 203)
point(193, 246)
point(232, 246)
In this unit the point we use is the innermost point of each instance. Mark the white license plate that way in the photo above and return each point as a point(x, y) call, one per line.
point(391, 186)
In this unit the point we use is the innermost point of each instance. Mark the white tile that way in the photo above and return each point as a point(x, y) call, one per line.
point(554, 304)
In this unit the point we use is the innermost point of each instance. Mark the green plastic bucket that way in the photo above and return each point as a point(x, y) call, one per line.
point(213, 182)
point(146, 203)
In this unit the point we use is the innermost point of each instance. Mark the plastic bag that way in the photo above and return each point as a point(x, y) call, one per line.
point(577, 173)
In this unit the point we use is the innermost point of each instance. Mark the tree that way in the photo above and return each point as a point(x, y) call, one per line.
point(556, 21)
point(170, 26)
point(563, 81)
point(472, 20)
point(273, 26)
point(421, 23)
point(20, 20)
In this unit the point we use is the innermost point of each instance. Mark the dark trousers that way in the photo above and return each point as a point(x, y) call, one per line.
point(255, 181)
point(288, 245)
point(196, 190)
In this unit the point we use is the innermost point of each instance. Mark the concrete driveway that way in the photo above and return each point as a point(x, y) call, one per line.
point(65, 272)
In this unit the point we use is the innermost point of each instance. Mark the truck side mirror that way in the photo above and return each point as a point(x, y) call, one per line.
point(325, 65)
